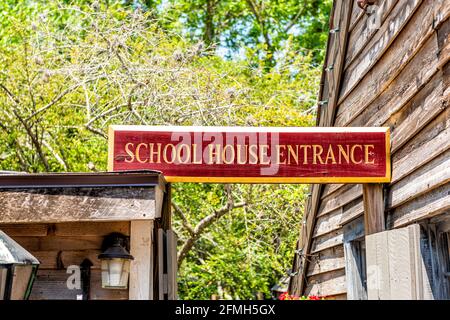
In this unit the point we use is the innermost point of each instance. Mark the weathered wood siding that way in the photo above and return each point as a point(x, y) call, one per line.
point(397, 75)
point(58, 246)
point(28, 205)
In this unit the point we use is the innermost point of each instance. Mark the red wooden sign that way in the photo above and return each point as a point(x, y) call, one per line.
point(253, 155)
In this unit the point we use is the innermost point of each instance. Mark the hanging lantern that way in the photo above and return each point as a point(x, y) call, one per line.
point(115, 262)
point(18, 270)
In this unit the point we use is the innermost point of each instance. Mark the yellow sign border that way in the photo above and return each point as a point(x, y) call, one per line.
point(319, 180)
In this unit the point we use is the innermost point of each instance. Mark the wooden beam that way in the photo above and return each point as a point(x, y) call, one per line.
point(56, 205)
point(374, 220)
point(141, 248)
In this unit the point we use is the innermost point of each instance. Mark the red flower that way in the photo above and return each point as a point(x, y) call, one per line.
point(283, 296)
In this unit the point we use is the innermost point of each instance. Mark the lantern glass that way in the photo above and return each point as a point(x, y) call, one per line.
point(18, 269)
point(22, 276)
point(115, 273)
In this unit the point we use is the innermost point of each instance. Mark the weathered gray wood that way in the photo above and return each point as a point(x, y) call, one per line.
point(406, 86)
point(423, 180)
point(36, 230)
point(354, 230)
point(341, 296)
point(66, 229)
point(366, 28)
point(141, 271)
point(55, 259)
point(356, 16)
point(52, 285)
point(91, 228)
point(327, 223)
point(339, 198)
point(297, 282)
point(56, 243)
point(172, 266)
point(429, 144)
point(327, 241)
point(76, 204)
point(407, 44)
point(162, 280)
point(327, 284)
point(400, 262)
point(396, 260)
point(374, 220)
point(330, 188)
point(378, 284)
point(352, 210)
point(326, 261)
point(418, 113)
point(428, 205)
point(389, 100)
point(378, 45)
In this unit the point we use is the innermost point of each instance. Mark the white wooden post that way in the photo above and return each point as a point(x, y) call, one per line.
point(141, 248)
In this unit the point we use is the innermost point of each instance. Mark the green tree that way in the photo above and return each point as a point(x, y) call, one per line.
point(262, 28)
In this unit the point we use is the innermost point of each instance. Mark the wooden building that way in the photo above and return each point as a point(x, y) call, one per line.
point(387, 65)
point(64, 219)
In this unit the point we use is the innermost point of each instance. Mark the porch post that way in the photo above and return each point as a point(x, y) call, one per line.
point(374, 220)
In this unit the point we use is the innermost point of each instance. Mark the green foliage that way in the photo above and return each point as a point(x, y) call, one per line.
point(70, 71)
point(244, 252)
point(262, 28)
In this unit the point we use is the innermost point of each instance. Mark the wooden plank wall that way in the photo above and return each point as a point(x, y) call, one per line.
point(397, 76)
point(401, 274)
point(58, 246)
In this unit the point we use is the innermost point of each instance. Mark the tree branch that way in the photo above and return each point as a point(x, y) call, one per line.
point(184, 220)
point(28, 128)
point(202, 225)
point(295, 18)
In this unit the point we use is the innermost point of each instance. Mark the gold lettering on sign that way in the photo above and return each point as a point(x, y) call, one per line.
point(157, 153)
point(352, 153)
point(138, 152)
point(263, 158)
point(330, 155)
point(194, 152)
point(216, 154)
point(129, 152)
point(239, 158)
point(305, 152)
point(253, 154)
point(292, 153)
point(173, 153)
point(367, 153)
point(280, 154)
point(344, 153)
point(186, 152)
point(317, 152)
point(228, 154)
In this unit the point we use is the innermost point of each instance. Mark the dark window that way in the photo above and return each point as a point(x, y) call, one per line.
point(355, 265)
point(437, 240)
point(355, 260)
